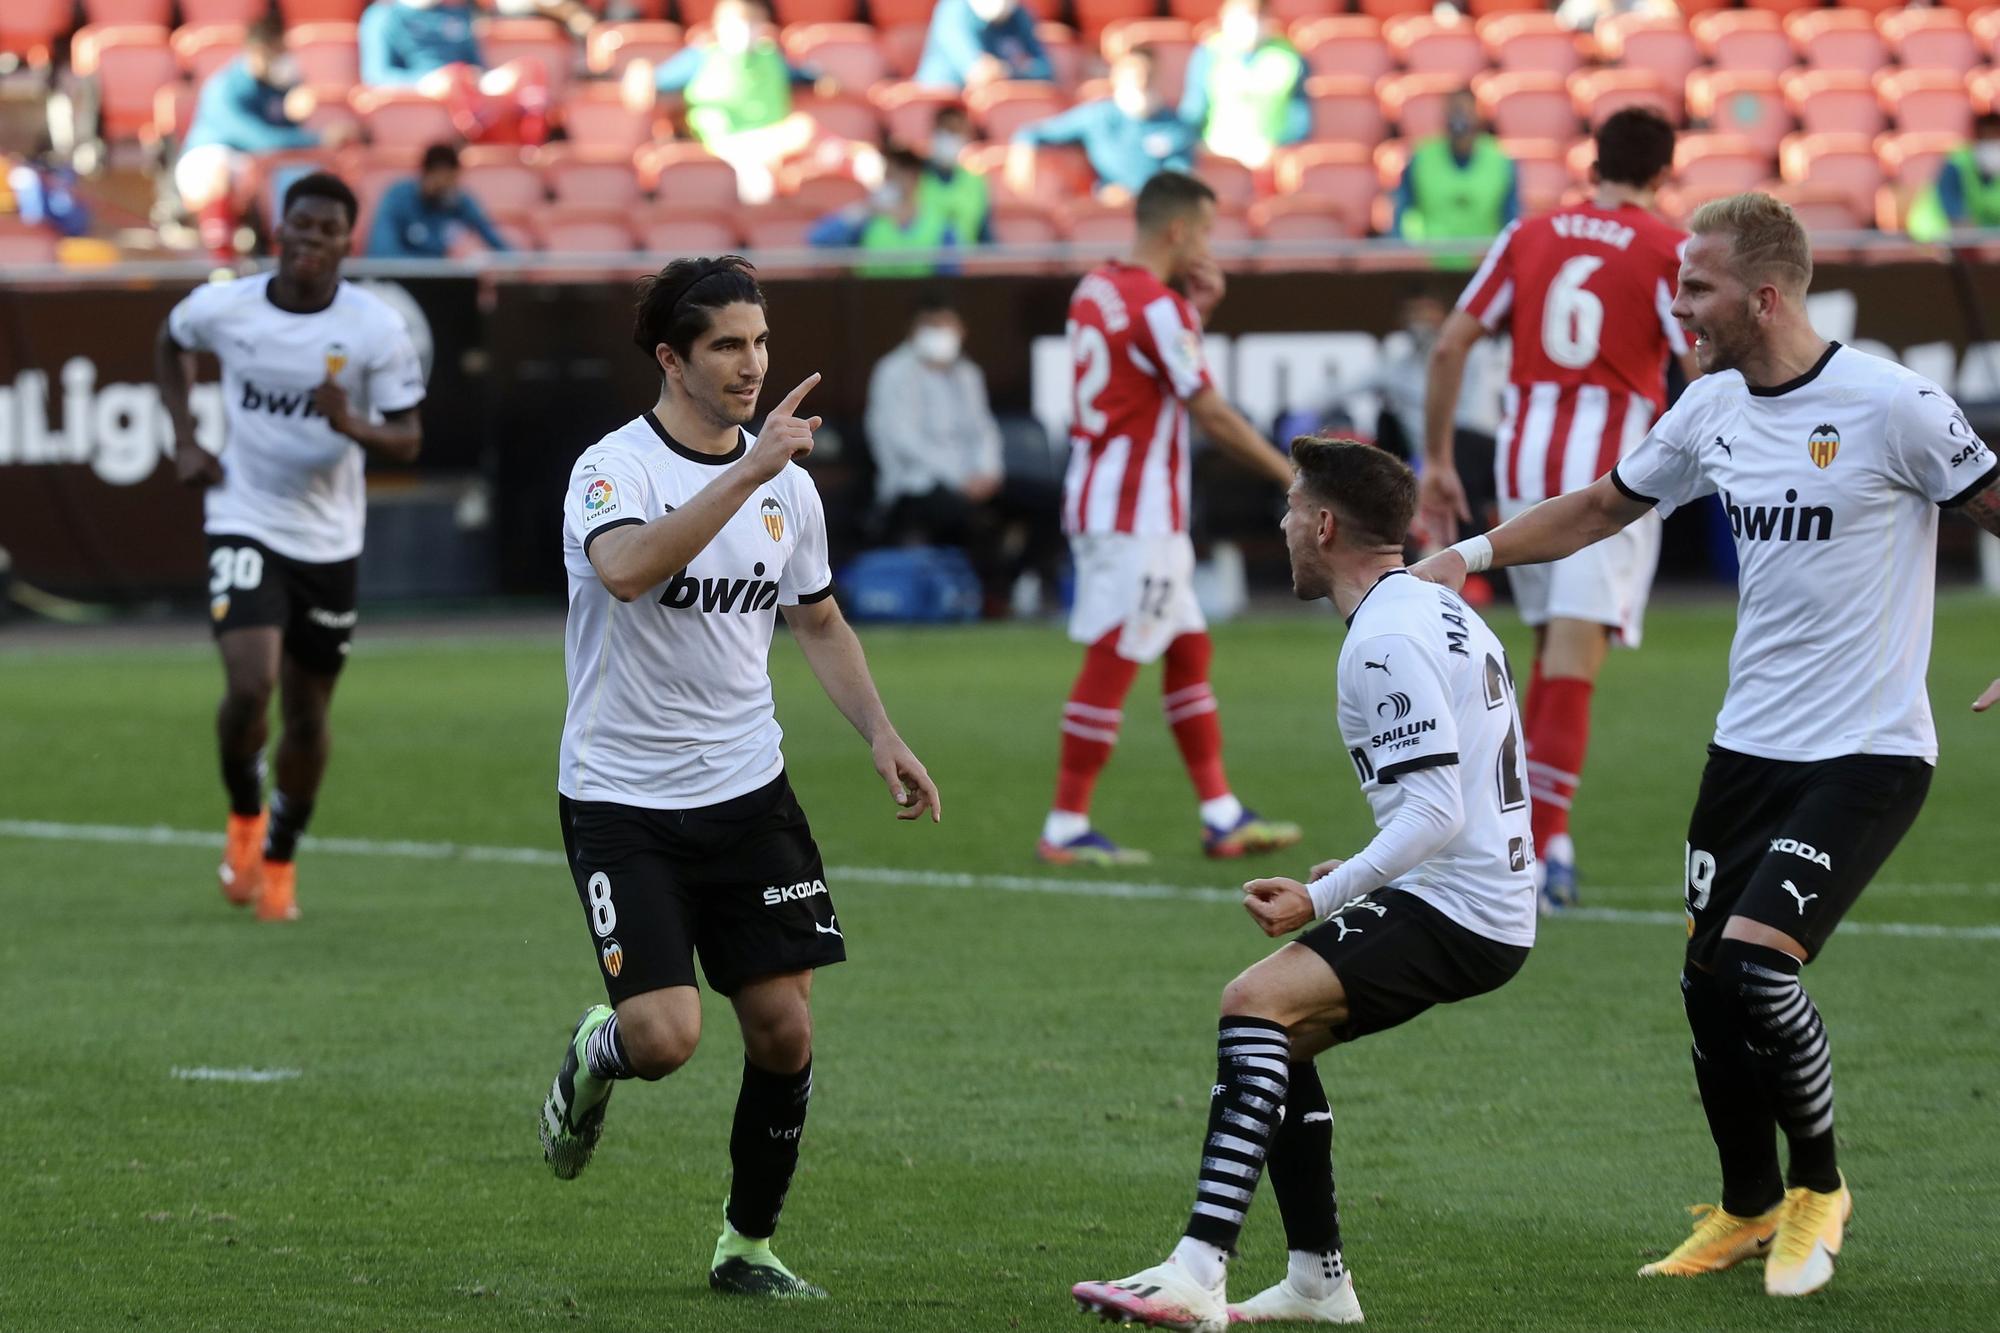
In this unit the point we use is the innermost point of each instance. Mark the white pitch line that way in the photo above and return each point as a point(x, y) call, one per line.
point(161, 836)
point(209, 1074)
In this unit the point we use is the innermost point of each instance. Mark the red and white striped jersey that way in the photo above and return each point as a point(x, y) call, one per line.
point(1587, 294)
point(1135, 344)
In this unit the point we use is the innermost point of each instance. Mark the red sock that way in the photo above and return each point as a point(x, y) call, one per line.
point(1558, 735)
point(1090, 722)
point(217, 222)
point(1190, 706)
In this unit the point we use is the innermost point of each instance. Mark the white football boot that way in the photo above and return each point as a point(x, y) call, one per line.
point(1163, 1296)
point(1283, 1304)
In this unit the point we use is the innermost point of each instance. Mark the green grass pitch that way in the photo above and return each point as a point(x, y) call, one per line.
point(1010, 1081)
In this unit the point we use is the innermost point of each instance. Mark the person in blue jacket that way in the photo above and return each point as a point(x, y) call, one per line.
point(415, 218)
point(430, 46)
point(251, 106)
point(980, 41)
point(1129, 137)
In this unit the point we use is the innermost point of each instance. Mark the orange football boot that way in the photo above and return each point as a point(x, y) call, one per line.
point(279, 900)
point(241, 873)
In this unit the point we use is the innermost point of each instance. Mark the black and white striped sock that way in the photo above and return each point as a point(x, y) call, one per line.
point(604, 1053)
point(1788, 1043)
point(1244, 1109)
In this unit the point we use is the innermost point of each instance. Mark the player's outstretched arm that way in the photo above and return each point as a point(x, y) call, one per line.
point(631, 559)
point(1237, 437)
point(834, 653)
point(1549, 531)
point(173, 371)
point(1441, 501)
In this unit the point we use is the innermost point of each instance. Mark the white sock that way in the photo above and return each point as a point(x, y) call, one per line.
point(1064, 826)
point(1205, 1263)
point(1222, 812)
point(1560, 848)
point(1315, 1276)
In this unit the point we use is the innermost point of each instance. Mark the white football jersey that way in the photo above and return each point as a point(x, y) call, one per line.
point(670, 693)
point(1832, 483)
point(288, 479)
point(1424, 683)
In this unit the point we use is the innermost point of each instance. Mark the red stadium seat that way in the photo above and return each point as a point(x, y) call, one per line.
point(908, 111)
point(1069, 60)
point(1388, 9)
point(791, 12)
point(1841, 161)
point(1743, 102)
point(1542, 168)
point(999, 109)
point(1094, 16)
point(1744, 39)
point(897, 13)
point(1530, 42)
point(1099, 227)
point(502, 180)
point(1719, 163)
point(326, 52)
point(1415, 102)
point(152, 13)
point(580, 177)
point(1289, 12)
point(1823, 208)
point(1345, 110)
point(684, 177)
point(30, 28)
point(1195, 11)
point(206, 48)
point(1494, 8)
point(1662, 45)
point(1930, 39)
point(240, 12)
point(1833, 101)
point(173, 111)
point(1235, 185)
point(847, 53)
point(848, 114)
point(130, 65)
point(1837, 39)
point(502, 40)
point(596, 117)
point(1344, 44)
point(1926, 99)
point(1019, 223)
point(821, 192)
point(612, 46)
point(21, 244)
point(1342, 176)
point(1295, 219)
point(333, 112)
point(370, 173)
point(1061, 172)
point(902, 48)
point(1601, 92)
point(584, 232)
point(1527, 105)
point(1782, 7)
point(399, 117)
point(296, 12)
point(1426, 45)
point(773, 229)
point(677, 235)
point(1911, 160)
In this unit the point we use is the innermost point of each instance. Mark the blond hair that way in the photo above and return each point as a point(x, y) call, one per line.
point(1770, 245)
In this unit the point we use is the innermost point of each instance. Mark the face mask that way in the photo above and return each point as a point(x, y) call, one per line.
point(886, 197)
point(282, 72)
point(1986, 154)
point(1133, 102)
point(937, 344)
point(945, 148)
point(991, 11)
point(735, 37)
point(1241, 30)
point(1459, 124)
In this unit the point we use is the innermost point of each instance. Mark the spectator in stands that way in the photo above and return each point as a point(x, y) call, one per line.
point(972, 42)
point(252, 105)
point(951, 187)
point(430, 46)
point(1966, 192)
point(415, 218)
point(1129, 137)
point(1458, 185)
point(738, 92)
point(1246, 86)
point(938, 462)
point(41, 191)
point(892, 221)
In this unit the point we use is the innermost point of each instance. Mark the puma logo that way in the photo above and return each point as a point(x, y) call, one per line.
point(1802, 898)
point(1381, 666)
point(1345, 930)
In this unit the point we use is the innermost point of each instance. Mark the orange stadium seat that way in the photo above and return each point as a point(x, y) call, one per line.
point(326, 52)
point(1926, 99)
point(1309, 217)
point(1426, 45)
point(692, 13)
point(999, 109)
point(902, 48)
point(1841, 161)
point(595, 115)
point(1094, 16)
point(1522, 105)
point(1195, 11)
point(1018, 222)
point(1045, 11)
point(1530, 42)
point(908, 111)
point(580, 177)
point(1288, 12)
point(1743, 102)
point(1833, 101)
point(1661, 44)
point(333, 111)
point(584, 231)
point(896, 13)
point(674, 235)
point(1601, 92)
point(1344, 44)
point(1822, 207)
point(1345, 109)
point(501, 179)
point(1493, 8)
point(1415, 102)
point(154, 13)
point(30, 28)
point(1061, 172)
point(1235, 185)
point(397, 116)
point(773, 229)
point(612, 46)
point(130, 64)
point(243, 12)
point(847, 113)
point(1911, 160)
point(1719, 164)
point(1872, 6)
point(1745, 39)
point(502, 40)
point(686, 178)
point(296, 12)
point(1930, 39)
point(1542, 168)
point(1100, 228)
point(847, 53)
point(1781, 7)
point(1388, 9)
point(820, 193)
point(1837, 39)
point(790, 12)
point(1689, 8)
point(205, 48)
point(1341, 174)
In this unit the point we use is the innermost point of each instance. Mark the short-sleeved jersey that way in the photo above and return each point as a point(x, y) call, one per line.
point(288, 479)
point(1832, 483)
point(1136, 347)
point(1586, 293)
point(1424, 683)
point(670, 693)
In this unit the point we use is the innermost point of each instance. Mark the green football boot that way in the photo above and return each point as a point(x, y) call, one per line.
point(572, 1118)
point(746, 1267)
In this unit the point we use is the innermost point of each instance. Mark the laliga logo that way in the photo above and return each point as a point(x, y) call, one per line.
point(598, 497)
point(119, 431)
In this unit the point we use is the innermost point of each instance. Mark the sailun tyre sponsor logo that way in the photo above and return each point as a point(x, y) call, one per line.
point(1404, 736)
point(1822, 445)
point(1396, 707)
point(793, 893)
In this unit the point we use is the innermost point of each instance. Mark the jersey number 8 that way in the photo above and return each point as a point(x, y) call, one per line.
point(603, 915)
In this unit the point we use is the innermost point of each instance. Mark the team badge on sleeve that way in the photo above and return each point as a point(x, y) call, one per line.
point(613, 954)
point(1823, 444)
point(600, 498)
point(774, 518)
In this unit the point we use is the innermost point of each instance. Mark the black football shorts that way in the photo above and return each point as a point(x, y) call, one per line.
point(1397, 956)
point(250, 586)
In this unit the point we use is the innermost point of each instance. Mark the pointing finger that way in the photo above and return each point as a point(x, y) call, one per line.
point(792, 400)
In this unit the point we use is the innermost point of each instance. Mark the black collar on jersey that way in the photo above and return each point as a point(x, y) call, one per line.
point(1802, 380)
point(695, 455)
point(1371, 592)
point(318, 309)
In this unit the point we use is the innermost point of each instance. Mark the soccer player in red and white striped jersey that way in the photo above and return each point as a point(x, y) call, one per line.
point(1140, 374)
point(1586, 292)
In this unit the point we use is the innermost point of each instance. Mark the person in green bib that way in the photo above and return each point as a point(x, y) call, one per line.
point(1966, 192)
point(1246, 87)
point(1458, 186)
point(950, 187)
point(738, 92)
point(893, 223)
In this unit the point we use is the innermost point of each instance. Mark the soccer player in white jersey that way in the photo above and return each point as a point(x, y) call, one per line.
point(317, 375)
point(1833, 465)
point(1437, 908)
point(684, 539)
